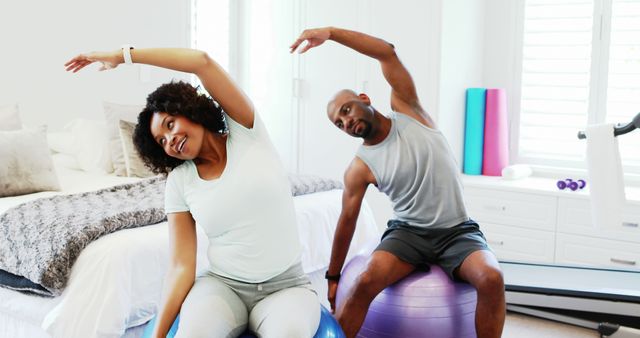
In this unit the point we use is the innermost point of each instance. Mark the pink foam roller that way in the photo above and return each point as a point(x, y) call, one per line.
point(496, 133)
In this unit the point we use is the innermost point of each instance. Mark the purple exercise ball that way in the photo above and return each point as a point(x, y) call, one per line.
point(425, 304)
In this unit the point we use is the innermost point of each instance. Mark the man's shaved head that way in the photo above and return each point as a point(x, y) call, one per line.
point(352, 113)
point(340, 96)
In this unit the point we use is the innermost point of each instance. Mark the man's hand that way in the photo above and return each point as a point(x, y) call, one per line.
point(314, 38)
point(331, 294)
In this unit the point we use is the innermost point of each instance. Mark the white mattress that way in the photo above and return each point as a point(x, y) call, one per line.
point(116, 282)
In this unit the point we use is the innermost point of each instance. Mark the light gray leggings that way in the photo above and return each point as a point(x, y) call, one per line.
point(282, 307)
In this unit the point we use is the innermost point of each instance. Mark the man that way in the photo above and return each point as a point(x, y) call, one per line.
point(407, 158)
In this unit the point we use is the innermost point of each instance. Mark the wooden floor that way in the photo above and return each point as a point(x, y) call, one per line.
point(522, 326)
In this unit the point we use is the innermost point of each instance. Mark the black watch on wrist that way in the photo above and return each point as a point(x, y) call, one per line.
point(331, 277)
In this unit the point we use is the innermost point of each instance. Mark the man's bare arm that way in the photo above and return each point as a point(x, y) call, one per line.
point(404, 98)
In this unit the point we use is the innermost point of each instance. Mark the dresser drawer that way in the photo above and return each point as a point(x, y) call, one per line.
point(518, 244)
point(596, 252)
point(512, 208)
point(574, 217)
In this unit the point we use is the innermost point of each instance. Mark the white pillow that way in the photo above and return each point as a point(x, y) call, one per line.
point(134, 164)
point(90, 145)
point(113, 113)
point(82, 146)
point(62, 142)
point(25, 163)
point(68, 161)
point(10, 118)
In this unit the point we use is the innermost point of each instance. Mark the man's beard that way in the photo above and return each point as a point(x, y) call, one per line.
point(366, 129)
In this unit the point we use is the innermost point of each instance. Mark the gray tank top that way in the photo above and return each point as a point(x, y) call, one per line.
point(415, 167)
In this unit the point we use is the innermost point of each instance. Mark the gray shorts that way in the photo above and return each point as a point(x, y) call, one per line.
point(446, 248)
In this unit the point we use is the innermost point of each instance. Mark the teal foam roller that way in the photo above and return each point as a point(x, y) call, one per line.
point(474, 131)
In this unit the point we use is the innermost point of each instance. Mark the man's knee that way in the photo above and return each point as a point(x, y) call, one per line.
point(490, 281)
point(368, 286)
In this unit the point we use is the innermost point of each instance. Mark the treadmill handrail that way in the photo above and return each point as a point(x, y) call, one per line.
point(619, 130)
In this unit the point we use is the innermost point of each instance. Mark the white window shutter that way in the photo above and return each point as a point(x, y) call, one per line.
point(556, 75)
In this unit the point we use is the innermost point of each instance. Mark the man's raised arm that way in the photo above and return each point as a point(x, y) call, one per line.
point(404, 98)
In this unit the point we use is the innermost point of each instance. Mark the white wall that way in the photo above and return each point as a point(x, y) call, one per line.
point(500, 37)
point(501, 53)
point(479, 49)
point(462, 55)
point(38, 37)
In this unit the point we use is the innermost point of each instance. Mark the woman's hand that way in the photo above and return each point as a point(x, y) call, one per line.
point(108, 60)
point(314, 38)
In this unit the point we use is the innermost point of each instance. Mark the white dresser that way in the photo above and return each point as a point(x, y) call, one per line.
point(531, 220)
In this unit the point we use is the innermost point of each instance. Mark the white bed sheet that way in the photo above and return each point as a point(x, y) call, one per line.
point(116, 282)
point(317, 216)
point(22, 315)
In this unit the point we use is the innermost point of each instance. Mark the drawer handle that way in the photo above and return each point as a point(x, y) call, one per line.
point(496, 242)
point(630, 224)
point(495, 207)
point(623, 261)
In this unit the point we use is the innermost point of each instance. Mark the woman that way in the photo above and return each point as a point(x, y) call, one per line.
point(231, 183)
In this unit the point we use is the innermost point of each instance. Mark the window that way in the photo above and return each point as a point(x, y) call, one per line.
point(267, 69)
point(249, 39)
point(580, 65)
point(210, 30)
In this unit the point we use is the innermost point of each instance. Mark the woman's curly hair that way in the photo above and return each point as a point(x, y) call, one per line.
point(174, 98)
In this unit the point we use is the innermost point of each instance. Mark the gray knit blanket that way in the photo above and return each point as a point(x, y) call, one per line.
point(308, 184)
point(40, 240)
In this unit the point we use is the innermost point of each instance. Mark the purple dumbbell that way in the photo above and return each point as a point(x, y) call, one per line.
point(562, 184)
point(571, 184)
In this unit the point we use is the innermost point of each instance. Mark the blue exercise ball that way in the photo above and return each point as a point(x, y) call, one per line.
point(328, 327)
point(425, 304)
point(148, 330)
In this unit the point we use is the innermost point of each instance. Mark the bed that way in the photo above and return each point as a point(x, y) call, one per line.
point(115, 284)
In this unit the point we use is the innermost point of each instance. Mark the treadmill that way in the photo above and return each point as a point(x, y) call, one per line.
point(607, 301)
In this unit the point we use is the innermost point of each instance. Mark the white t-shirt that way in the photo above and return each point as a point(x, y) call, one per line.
point(247, 213)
